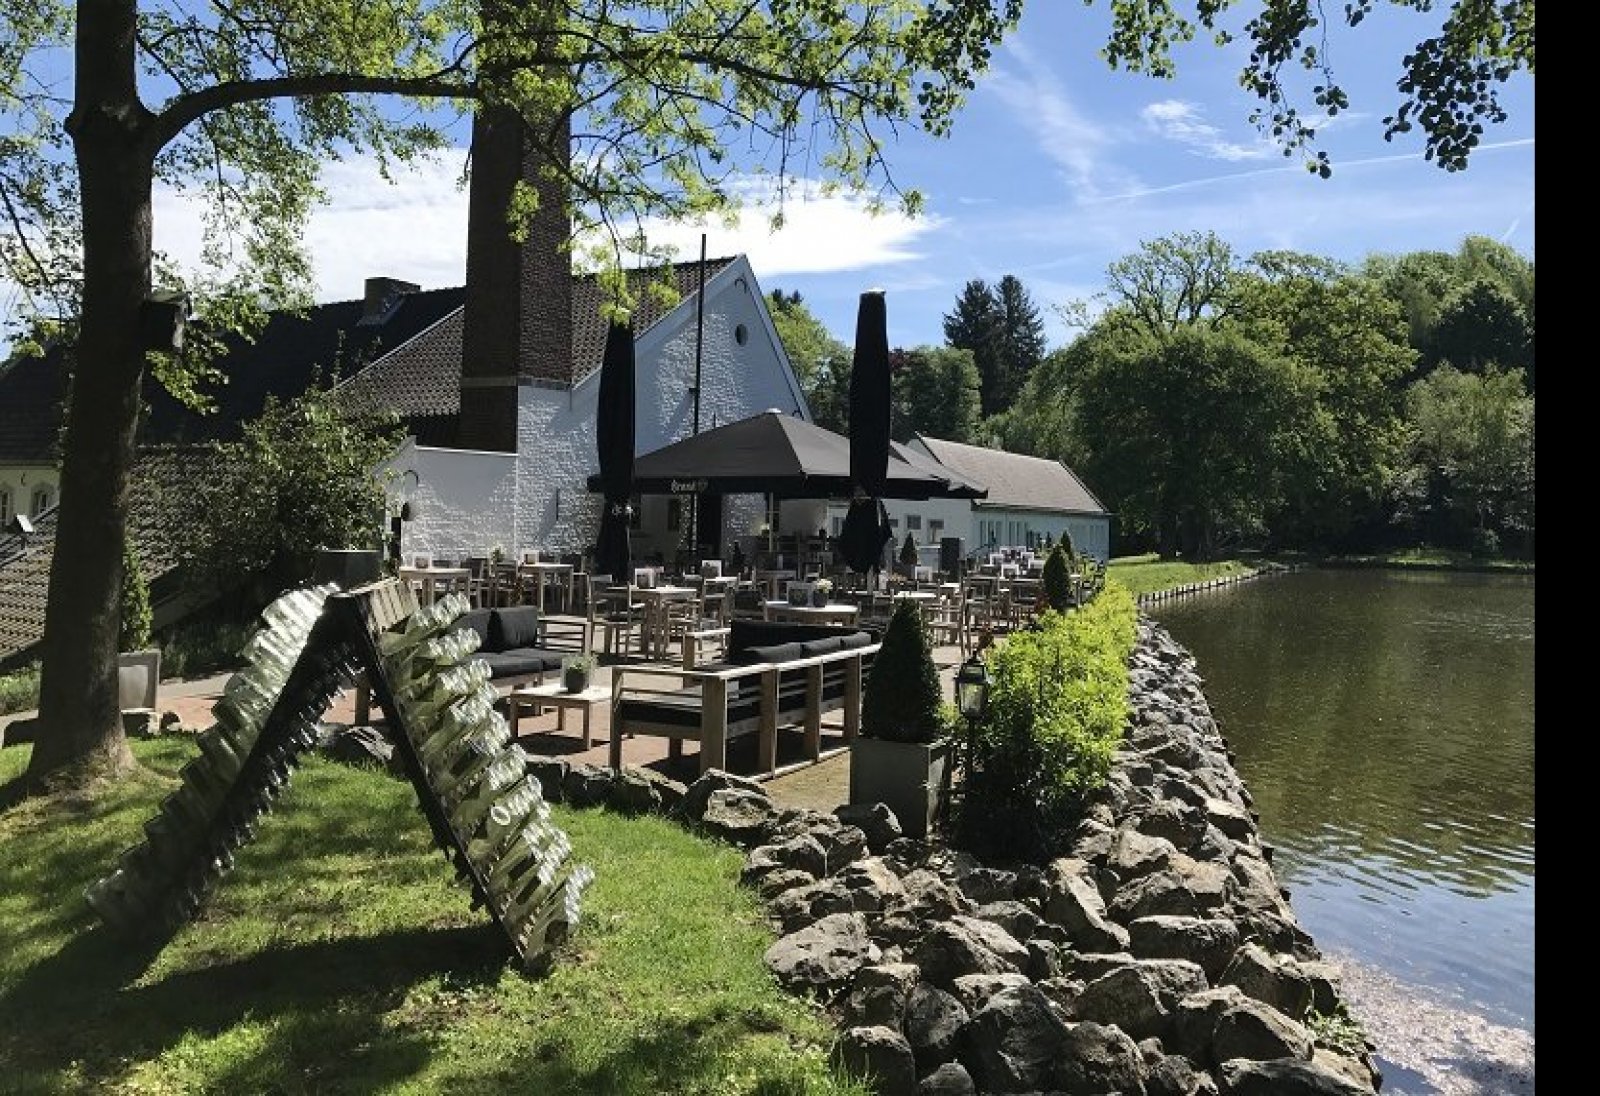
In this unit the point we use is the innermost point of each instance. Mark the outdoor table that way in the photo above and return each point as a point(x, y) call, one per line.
point(429, 575)
point(562, 571)
point(771, 579)
point(835, 612)
point(554, 695)
point(656, 633)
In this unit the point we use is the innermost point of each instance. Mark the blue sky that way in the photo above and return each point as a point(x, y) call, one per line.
point(1058, 167)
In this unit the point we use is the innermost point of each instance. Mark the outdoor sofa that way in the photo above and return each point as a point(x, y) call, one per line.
point(775, 675)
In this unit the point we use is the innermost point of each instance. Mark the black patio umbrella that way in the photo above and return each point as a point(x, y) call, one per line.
point(866, 526)
point(613, 432)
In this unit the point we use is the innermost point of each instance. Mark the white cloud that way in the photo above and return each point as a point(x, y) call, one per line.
point(1184, 122)
point(1064, 133)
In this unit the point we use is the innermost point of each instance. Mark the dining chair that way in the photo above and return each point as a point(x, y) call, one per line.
point(615, 615)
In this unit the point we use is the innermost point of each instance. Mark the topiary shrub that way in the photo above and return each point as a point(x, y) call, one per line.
point(1066, 543)
point(902, 701)
point(908, 552)
point(1058, 580)
point(134, 632)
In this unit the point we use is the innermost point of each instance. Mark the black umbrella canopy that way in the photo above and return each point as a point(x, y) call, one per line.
point(777, 454)
point(866, 526)
point(614, 439)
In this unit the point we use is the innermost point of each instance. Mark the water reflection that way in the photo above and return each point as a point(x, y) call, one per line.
point(1384, 723)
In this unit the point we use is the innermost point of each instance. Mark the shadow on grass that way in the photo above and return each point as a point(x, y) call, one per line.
point(316, 1009)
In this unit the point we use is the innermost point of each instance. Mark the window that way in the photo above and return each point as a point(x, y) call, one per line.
point(41, 501)
point(674, 515)
point(894, 523)
point(914, 521)
point(836, 526)
point(935, 530)
point(5, 504)
point(741, 334)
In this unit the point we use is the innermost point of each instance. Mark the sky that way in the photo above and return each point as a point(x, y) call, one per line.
point(1057, 167)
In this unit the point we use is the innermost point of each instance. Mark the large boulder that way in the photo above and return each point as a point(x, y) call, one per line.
point(974, 990)
point(1141, 997)
point(882, 1056)
point(878, 995)
point(1250, 1029)
point(930, 897)
point(1190, 889)
point(1266, 977)
point(742, 817)
point(996, 939)
point(1284, 1077)
point(1175, 1075)
point(1195, 1018)
point(823, 957)
point(950, 1079)
point(1096, 1059)
point(1017, 918)
point(933, 1020)
point(800, 906)
point(876, 822)
point(698, 794)
point(948, 950)
point(1073, 901)
point(1135, 854)
point(872, 884)
point(586, 785)
point(1013, 1042)
point(1209, 942)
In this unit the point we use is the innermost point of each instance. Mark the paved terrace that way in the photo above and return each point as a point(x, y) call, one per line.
point(821, 785)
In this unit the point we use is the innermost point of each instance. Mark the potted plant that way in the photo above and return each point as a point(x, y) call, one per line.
point(905, 741)
point(577, 672)
point(821, 592)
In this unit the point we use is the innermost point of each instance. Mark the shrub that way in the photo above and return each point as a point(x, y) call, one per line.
point(1066, 543)
point(1483, 543)
point(902, 701)
point(19, 690)
point(1058, 580)
point(134, 631)
point(1056, 713)
point(908, 552)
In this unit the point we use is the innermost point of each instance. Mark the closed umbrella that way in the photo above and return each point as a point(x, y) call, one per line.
point(613, 431)
point(866, 526)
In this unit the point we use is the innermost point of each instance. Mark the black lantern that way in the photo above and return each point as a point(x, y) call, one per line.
point(972, 688)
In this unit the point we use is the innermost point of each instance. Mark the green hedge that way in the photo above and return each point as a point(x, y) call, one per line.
point(1056, 713)
point(19, 690)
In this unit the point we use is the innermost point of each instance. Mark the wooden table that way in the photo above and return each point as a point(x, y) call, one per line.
point(656, 632)
point(554, 695)
point(429, 575)
point(538, 571)
point(835, 612)
point(770, 580)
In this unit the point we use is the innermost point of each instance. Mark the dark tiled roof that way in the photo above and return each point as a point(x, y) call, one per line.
point(422, 378)
point(30, 407)
point(162, 486)
point(1030, 483)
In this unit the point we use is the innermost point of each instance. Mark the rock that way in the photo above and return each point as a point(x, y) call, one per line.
point(698, 794)
point(824, 956)
point(640, 791)
point(803, 853)
point(1064, 992)
point(872, 884)
point(1278, 934)
point(1284, 1077)
point(1257, 888)
point(1232, 820)
point(1195, 1018)
point(141, 722)
point(1325, 982)
point(880, 1054)
point(933, 1019)
point(927, 896)
point(841, 845)
point(876, 822)
point(771, 885)
point(1141, 997)
point(878, 995)
point(948, 950)
point(551, 773)
point(1186, 891)
point(1278, 982)
point(950, 1079)
point(1044, 959)
point(1210, 942)
point(1012, 1043)
point(1097, 1059)
point(586, 785)
point(1073, 901)
point(1134, 854)
point(987, 885)
point(898, 929)
point(974, 990)
point(1250, 1029)
point(797, 908)
point(1013, 916)
point(739, 816)
point(996, 939)
point(1357, 1071)
point(359, 746)
point(1175, 1075)
point(1174, 821)
point(1091, 965)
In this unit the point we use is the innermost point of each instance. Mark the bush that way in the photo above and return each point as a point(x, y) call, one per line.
point(1058, 580)
point(902, 701)
point(19, 690)
point(908, 552)
point(1483, 543)
point(1056, 714)
point(134, 630)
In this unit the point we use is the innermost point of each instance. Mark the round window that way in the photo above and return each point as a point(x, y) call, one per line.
point(741, 334)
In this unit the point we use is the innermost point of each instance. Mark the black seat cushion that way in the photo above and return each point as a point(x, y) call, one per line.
point(682, 707)
point(523, 660)
point(825, 646)
point(478, 621)
point(772, 652)
point(517, 626)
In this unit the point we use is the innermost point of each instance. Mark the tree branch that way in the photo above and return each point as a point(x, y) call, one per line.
point(187, 108)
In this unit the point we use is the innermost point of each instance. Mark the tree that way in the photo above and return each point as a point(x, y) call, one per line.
point(1481, 324)
point(1174, 281)
point(1470, 456)
point(1021, 340)
point(975, 325)
point(300, 481)
point(935, 393)
point(902, 699)
point(134, 631)
point(238, 108)
point(811, 349)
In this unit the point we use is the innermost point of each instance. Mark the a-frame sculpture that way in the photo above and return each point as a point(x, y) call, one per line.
point(486, 812)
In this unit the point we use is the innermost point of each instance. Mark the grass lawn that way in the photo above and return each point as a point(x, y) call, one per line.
point(339, 955)
point(1432, 559)
point(1149, 573)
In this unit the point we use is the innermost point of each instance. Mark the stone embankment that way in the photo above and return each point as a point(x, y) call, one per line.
point(1157, 957)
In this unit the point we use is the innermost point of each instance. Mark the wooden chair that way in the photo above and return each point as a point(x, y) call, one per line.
point(616, 617)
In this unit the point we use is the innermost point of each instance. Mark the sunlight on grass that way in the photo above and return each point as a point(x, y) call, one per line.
point(340, 956)
point(1147, 574)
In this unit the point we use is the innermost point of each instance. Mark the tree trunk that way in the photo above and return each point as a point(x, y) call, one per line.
point(80, 734)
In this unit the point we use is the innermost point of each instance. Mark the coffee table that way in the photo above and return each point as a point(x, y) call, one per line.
point(554, 695)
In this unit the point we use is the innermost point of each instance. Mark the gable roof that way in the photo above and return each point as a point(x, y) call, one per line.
point(31, 388)
point(1016, 480)
point(423, 377)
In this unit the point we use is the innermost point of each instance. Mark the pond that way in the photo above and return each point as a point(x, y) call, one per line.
point(1383, 721)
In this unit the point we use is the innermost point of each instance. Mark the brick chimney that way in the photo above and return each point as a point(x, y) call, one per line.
point(517, 325)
